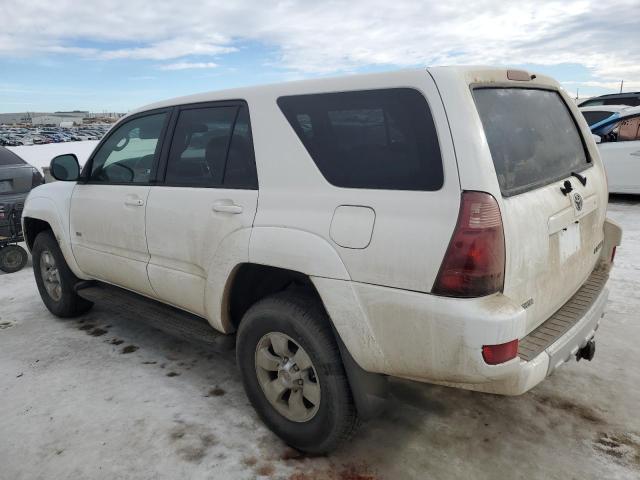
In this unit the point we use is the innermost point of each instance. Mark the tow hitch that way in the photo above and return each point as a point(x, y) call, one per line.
point(588, 351)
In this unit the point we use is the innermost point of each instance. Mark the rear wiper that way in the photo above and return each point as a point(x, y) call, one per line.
point(583, 179)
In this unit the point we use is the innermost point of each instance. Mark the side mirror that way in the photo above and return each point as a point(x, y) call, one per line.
point(596, 138)
point(65, 168)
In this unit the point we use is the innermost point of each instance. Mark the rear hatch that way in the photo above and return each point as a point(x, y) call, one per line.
point(552, 235)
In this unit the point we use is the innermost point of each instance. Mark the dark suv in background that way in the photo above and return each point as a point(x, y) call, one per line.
point(17, 179)
point(631, 99)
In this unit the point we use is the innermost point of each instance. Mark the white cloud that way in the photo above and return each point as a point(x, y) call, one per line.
point(188, 65)
point(331, 36)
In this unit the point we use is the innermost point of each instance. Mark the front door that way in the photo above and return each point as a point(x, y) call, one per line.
point(210, 191)
point(107, 214)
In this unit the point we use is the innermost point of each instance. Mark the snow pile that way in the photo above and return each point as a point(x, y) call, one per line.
point(40, 155)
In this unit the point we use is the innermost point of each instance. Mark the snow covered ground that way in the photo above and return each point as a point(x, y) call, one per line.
point(40, 155)
point(109, 397)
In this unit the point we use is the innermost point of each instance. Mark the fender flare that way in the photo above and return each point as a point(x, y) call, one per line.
point(45, 209)
point(296, 250)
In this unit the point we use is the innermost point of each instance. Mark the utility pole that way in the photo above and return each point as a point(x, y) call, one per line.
point(621, 84)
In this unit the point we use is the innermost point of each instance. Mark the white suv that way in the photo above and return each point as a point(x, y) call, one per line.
point(445, 225)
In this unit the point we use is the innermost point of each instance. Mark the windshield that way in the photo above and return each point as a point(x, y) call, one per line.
point(532, 137)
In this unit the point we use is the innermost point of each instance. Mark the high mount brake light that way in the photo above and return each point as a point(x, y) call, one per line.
point(474, 263)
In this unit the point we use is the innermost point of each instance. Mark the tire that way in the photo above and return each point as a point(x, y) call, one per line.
point(300, 319)
point(12, 258)
point(48, 262)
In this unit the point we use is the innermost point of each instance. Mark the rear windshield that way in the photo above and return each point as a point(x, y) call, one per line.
point(532, 136)
point(7, 157)
point(594, 117)
point(379, 139)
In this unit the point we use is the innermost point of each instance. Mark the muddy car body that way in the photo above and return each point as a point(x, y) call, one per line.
point(445, 225)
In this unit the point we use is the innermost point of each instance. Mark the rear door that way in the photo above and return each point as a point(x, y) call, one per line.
point(210, 191)
point(620, 152)
point(553, 196)
point(107, 215)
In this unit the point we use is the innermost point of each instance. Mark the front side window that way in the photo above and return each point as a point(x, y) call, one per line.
point(128, 153)
point(378, 139)
point(629, 129)
point(532, 137)
point(626, 130)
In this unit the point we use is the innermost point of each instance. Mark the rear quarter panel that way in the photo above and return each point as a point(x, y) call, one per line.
point(412, 229)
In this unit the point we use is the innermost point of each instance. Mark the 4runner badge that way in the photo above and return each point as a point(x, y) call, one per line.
point(577, 199)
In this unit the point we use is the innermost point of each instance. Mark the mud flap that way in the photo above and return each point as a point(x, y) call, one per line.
point(370, 390)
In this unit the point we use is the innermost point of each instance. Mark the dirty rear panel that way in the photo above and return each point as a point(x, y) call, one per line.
point(552, 240)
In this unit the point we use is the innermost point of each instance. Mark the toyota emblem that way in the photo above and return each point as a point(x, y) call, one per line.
point(577, 198)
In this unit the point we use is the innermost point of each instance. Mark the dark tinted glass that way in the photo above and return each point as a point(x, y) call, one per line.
point(595, 117)
point(240, 171)
point(128, 153)
point(382, 139)
point(631, 101)
point(532, 137)
point(199, 146)
point(7, 157)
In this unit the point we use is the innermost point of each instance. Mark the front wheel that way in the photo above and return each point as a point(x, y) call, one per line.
point(293, 374)
point(54, 278)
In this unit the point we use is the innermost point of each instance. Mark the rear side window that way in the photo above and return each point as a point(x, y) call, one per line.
point(212, 147)
point(199, 146)
point(532, 136)
point(378, 139)
point(7, 157)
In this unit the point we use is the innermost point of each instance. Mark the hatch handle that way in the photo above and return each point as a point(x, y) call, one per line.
point(582, 178)
point(567, 189)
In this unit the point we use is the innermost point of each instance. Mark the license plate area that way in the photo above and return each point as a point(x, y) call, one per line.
point(6, 186)
point(569, 241)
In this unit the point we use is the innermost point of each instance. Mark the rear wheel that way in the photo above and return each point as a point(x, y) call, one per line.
point(12, 258)
point(54, 279)
point(293, 374)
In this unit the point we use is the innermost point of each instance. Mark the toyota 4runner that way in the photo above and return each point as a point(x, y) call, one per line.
point(445, 225)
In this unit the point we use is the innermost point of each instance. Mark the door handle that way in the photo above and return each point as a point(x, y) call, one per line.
point(227, 206)
point(134, 202)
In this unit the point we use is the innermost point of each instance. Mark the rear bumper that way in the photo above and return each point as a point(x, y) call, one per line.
point(575, 324)
point(439, 340)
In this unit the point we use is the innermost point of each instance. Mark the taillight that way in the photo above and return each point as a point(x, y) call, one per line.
point(474, 263)
point(36, 178)
point(495, 354)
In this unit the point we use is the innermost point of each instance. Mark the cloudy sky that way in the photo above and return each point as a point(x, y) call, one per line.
point(115, 55)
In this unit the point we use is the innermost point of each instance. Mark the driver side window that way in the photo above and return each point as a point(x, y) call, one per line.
point(128, 153)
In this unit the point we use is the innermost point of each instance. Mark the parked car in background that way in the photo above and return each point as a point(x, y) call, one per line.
point(620, 149)
point(446, 225)
point(17, 179)
point(631, 99)
point(597, 113)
